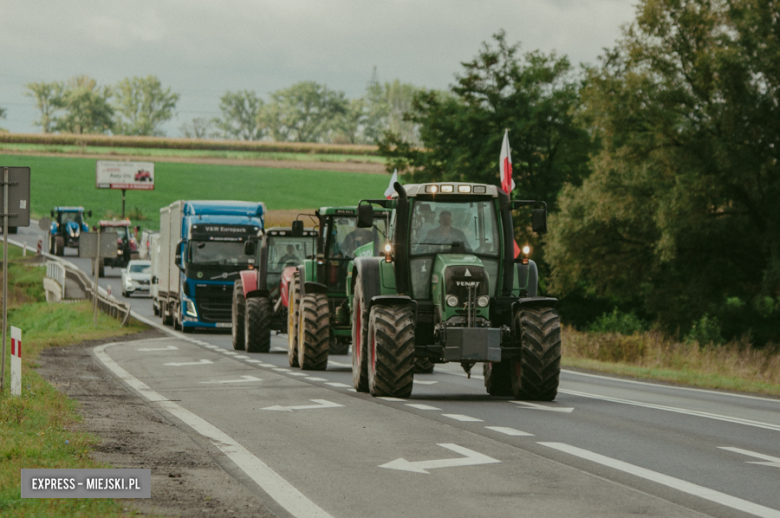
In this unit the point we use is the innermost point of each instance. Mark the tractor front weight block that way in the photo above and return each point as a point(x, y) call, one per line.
point(480, 344)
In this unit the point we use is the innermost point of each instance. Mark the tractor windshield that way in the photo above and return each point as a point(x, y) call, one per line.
point(452, 227)
point(344, 238)
point(65, 217)
point(284, 251)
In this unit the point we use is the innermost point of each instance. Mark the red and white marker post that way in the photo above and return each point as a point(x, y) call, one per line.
point(16, 361)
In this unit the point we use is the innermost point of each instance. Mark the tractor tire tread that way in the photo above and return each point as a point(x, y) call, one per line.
point(540, 367)
point(314, 332)
point(393, 328)
point(257, 325)
point(239, 308)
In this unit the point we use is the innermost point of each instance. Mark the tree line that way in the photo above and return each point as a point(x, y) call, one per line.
point(304, 112)
point(659, 165)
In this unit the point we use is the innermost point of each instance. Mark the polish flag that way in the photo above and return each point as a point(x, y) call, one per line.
point(505, 165)
point(390, 189)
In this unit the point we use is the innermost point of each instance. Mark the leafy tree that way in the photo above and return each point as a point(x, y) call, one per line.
point(349, 126)
point(48, 99)
point(681, 210)
point(386, 105)
point(142, 106)
point(200, 128)
point(304, 112)
point(242, 113)
point(87, 107)
point(461, 131)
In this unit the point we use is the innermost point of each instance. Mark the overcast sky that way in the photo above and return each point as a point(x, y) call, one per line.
point(203, 48)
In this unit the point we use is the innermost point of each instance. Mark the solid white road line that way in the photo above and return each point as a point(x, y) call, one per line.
point(509, 431)
point(422, 407)
point(666, 480)
point(464, 418)
point(696, 413)
point(277, 488)
point(773, 461)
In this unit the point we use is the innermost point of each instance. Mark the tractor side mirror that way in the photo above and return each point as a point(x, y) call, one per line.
point(52, 213)
point(539, 220)
point(89, 213)
point(154, 279)
point(297, 228)
point(365, 217)
point(250, 247)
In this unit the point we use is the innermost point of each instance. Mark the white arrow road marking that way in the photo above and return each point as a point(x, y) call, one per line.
point(666, 480)
point(536, 406)
point(199, 362)
point(321, 403)
point(470, 458)
point(244, 380)
point(169, 348)
point(707, 415)
point(773, 461)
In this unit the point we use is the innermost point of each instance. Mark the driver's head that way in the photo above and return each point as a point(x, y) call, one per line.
point(445, 219)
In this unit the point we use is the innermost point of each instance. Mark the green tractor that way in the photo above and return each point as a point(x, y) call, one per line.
point(318, 316)
point(449, 289)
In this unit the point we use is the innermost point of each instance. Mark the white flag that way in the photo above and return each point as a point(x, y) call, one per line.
point(505, 165)
point(390, 189)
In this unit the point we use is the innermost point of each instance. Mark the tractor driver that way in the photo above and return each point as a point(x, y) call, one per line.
point(445, 234)
point(354, 240)
point(289, 257)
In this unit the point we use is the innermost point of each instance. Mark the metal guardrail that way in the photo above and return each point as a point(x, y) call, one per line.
point(56, 272)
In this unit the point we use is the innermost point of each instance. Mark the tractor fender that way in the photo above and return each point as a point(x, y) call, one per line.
point(314, 287)
point(248, 281)
point(367, 268)
point(528, 278)
point(284, 284)
point(392, 300)
point(534, 302)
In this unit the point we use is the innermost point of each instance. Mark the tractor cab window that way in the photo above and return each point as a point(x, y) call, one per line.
point(121, 232)
point(344, 238)
point(288, 251)
point(452, 227)
point(66, 217)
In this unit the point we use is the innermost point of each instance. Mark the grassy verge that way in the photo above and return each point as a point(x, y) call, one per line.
point(734, 366)
point(37, 430)
point(71, 181)
point(192, 153)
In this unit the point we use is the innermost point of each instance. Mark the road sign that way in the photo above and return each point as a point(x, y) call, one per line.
point(470, 458)
point(88, 243)
point(18, 196)
point(44, 224)
point(124, 175)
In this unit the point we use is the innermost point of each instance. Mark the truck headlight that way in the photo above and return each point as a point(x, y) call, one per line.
point(452, 301)
point(483, 301)
point(189, 308)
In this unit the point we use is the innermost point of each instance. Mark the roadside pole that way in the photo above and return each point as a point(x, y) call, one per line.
point(16, 361)
point(5, 271)
point(98, 258)
point(123, 203)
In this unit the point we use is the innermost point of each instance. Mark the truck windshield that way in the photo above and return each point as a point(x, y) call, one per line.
point(457, 227)
point(217, 252)
point(288, 251)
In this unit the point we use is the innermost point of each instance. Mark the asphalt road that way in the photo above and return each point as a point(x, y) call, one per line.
point(605, 447)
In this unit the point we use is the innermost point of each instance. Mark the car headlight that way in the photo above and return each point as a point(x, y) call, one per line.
point(452, 301)
point(483, 301)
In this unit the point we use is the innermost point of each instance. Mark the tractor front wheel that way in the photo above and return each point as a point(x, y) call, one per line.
point(423, 366)
point(257, 325)
point(293, 301)
point(391, 351)
point(239, 306)
point(59, 246)
point(313, 332)
point(359, 339)
point(498, 378)
point(535, 376)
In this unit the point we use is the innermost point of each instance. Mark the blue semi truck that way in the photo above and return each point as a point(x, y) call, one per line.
point(201, 254)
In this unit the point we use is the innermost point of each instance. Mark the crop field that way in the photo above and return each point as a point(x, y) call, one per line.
point(71, 181)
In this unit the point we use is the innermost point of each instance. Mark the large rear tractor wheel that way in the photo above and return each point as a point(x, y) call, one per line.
point(239, 306)
point(359, 339)
point(391, 351)
point(536, 374)
point(423, 366)
point(498, 378)
point(59, 246)
point(313, 332)
point(293, 302)
point(257, 325)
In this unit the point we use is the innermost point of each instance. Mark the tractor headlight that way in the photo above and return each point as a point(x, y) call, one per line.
point(526, 249)
point(483, 301)
point(452, 301)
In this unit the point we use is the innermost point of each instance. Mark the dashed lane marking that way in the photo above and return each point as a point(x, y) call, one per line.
point(424, 382)
point(339, 385)
point(509, 431)
point(464, 418)
point(665, 480)
point(281, 369)
point(242, 357)
point(536, 406)
point(419, 406)
point(182, 364)
point(169, 348)
point(313, 378)
point(244, 379)
point(391, 399)
point(298, 374)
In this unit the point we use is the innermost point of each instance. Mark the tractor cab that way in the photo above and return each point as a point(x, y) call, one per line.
point(126, 243)
point(66, 227)
point(286, 250)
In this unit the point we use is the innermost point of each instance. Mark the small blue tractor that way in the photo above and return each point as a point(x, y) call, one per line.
point(66, 227)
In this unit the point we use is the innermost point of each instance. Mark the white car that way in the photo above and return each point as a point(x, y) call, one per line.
point(136, 277)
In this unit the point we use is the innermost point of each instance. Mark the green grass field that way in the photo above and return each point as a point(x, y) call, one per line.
point(192, 153)
point(71, 181)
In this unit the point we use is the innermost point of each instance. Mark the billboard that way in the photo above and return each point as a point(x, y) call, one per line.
point(125, 175)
